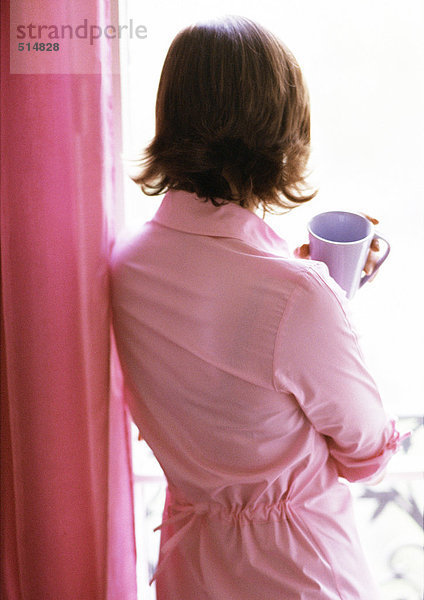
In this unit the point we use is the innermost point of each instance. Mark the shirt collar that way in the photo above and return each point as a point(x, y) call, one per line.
point(187, 212)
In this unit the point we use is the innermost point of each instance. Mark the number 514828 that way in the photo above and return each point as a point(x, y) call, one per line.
point(39, 46)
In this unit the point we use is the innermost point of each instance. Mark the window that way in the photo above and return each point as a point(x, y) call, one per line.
point(363, 63)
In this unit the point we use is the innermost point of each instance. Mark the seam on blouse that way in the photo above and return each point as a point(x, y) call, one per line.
point(307, 273)
point(323, 283)
point(278, 336)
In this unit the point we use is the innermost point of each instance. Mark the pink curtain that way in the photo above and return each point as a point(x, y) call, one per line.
point(67, 530)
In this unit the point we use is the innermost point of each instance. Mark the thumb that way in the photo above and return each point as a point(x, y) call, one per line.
point(302, 251)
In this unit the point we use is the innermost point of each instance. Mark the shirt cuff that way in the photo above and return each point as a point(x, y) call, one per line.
point(362, 469)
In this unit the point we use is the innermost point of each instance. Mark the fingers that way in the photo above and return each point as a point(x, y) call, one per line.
point(370, 264)
point(302, 251)
point(374, 249)
point(373, 220)
point(375, 245)
point(372, 259)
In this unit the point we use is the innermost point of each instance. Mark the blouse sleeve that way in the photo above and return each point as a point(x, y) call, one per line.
point(317, 359)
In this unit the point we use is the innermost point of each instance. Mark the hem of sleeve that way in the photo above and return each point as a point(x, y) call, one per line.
point(395, 440)
point(366, 469)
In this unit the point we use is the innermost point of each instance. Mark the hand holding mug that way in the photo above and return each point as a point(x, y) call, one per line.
point(348, 244)
point(303, 251)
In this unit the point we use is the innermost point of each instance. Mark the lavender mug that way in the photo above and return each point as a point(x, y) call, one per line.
point(342, 240)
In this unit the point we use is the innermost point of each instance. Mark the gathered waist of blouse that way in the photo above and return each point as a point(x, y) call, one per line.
point(259, 512)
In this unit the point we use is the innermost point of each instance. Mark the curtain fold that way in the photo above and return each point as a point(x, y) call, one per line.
point(67, 530)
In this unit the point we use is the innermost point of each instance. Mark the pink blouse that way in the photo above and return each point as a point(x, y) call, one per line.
point(249, 386)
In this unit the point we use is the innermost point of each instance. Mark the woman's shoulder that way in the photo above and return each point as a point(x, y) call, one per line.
point(306, 273)
point(126, 247)
point(312, 285)
point(120, 252)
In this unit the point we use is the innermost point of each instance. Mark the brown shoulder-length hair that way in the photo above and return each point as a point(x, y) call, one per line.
point(232, 119)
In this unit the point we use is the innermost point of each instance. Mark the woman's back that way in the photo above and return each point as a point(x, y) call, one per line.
point(249, 387)
point(197, 318)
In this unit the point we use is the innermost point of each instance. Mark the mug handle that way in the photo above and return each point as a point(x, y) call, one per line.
point(380, 261)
